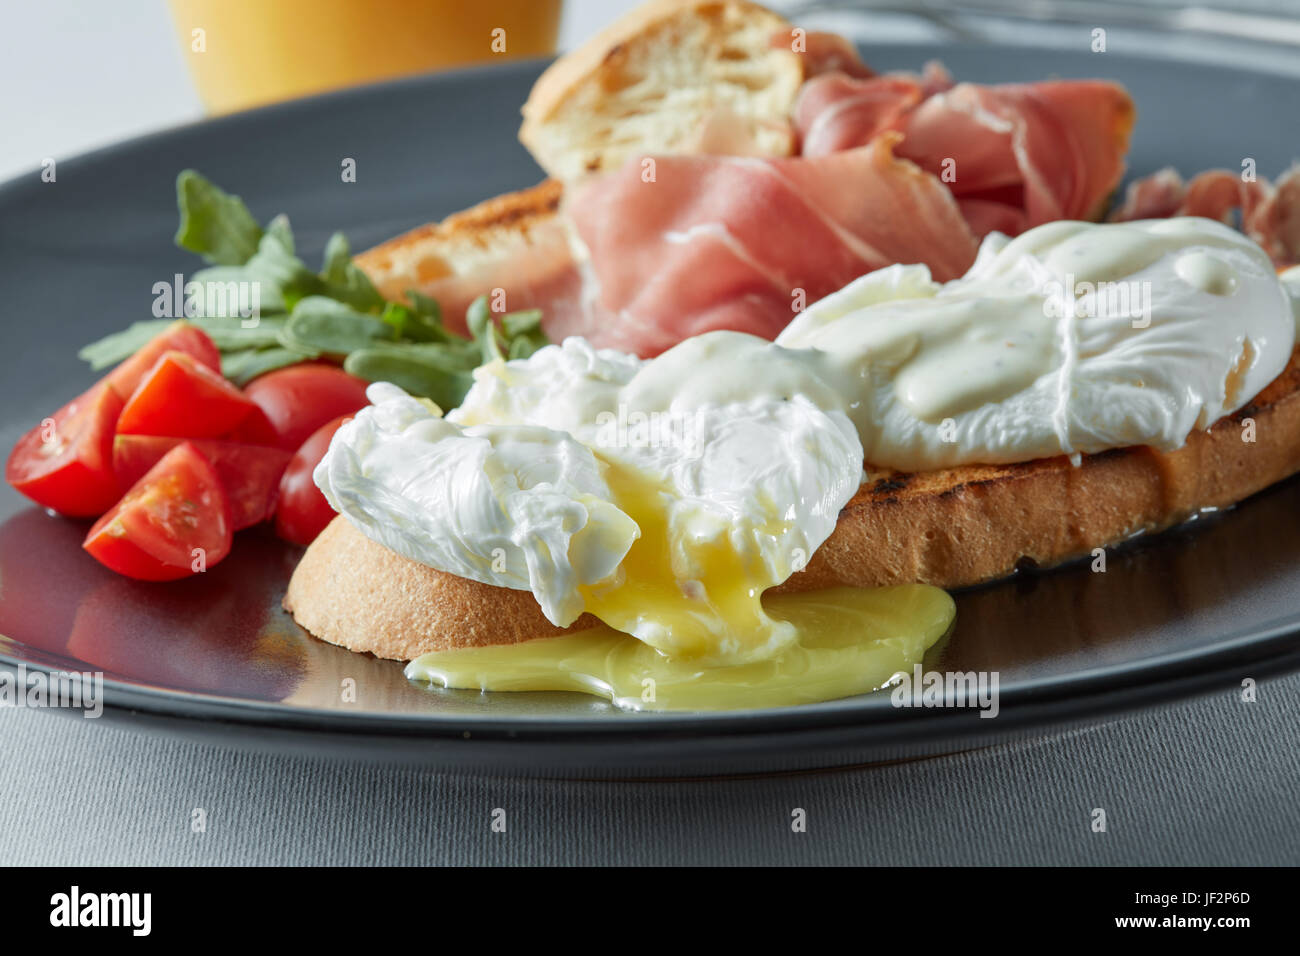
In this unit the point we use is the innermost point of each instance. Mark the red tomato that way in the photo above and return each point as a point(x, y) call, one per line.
point(249, 474)
point(180, 336)
point(301, 398)
point(183, 398)
point(173, 518)
point(302, 511)
point(66, 463)
point(256, 429)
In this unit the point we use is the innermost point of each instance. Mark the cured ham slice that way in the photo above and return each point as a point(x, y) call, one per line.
point(1269, 213)
point(1049, 150)
point(824, 53)
point(1015, 156)
point(1157, 196)
point(1275, 222)
point(726, 243)
point(836, 111)
point(1215, 194)
point(894, 168)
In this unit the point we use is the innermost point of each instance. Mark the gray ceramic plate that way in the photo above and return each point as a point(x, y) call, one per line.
point(1195, 609)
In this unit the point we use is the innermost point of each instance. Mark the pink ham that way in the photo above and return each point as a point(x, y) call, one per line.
point(1275, 222)
point(1214, 194)
point(836, 111)
point(823, 53)
point(1015, 155)
point(1269, 213)
point(725, 243)
point(897, 168)
point(1157, 196)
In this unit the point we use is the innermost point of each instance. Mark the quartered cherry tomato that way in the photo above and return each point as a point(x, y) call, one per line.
point(181, 397)
point(180, 336)
point(66, 462)
point(174, 522)
point(249, 474)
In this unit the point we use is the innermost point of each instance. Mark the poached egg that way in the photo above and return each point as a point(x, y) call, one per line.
point(665, 496)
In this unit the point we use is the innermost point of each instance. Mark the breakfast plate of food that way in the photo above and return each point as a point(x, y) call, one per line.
point(820, 405)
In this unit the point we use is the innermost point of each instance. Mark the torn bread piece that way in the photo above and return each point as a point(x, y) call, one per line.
point(673, 76)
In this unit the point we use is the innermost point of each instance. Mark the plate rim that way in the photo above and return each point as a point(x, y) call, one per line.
point(1168, 675)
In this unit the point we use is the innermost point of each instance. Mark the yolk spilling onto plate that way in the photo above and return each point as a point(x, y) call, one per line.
point(848, 641)
point(706, 637)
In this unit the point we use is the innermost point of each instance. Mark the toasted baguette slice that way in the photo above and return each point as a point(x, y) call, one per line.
point(672, 76)
point(515, 238)
point(950, 528)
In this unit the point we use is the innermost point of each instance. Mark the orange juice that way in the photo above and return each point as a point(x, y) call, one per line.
point(244, 53)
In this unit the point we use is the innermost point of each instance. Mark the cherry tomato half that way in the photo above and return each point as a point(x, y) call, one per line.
point(301, 398)
point(181, 397)
point(302, 511)
point(180, 336)
point(174, 522)
point(249, 474)
point(257, 429)
point(66, 462)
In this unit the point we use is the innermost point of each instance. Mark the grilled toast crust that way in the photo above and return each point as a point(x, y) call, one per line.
point(951, 528)
point(496, 230)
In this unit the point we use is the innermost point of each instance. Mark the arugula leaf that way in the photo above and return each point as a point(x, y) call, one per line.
point(275, 263)
point(336, 312)
point(226, 334)
point(279, 227)
point(240, 280)
point(342, 279)
point(243, 366)
point(214, 224)
point(326, 325)
point(112, 349)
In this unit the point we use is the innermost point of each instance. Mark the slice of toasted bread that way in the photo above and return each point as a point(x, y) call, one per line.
point(672, 76)
point(950, 528)
point(516, 239)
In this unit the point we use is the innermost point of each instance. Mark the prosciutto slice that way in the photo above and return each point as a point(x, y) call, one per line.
point(838, 111)
point(824, 53)
point(1015, 156)
point(1269, 213)
point(893, 168)
point(726, 243)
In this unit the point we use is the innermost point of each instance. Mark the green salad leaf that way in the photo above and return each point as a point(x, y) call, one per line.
point(214, 224)
point(298, 314)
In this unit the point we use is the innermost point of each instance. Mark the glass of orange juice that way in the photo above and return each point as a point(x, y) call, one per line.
point(245, 53)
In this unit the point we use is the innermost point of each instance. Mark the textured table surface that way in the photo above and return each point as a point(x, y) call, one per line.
point(1207, 781)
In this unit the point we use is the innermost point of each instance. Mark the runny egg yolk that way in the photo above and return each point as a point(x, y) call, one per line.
point(706, 638)
point(848, 641)
point(684, 588)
